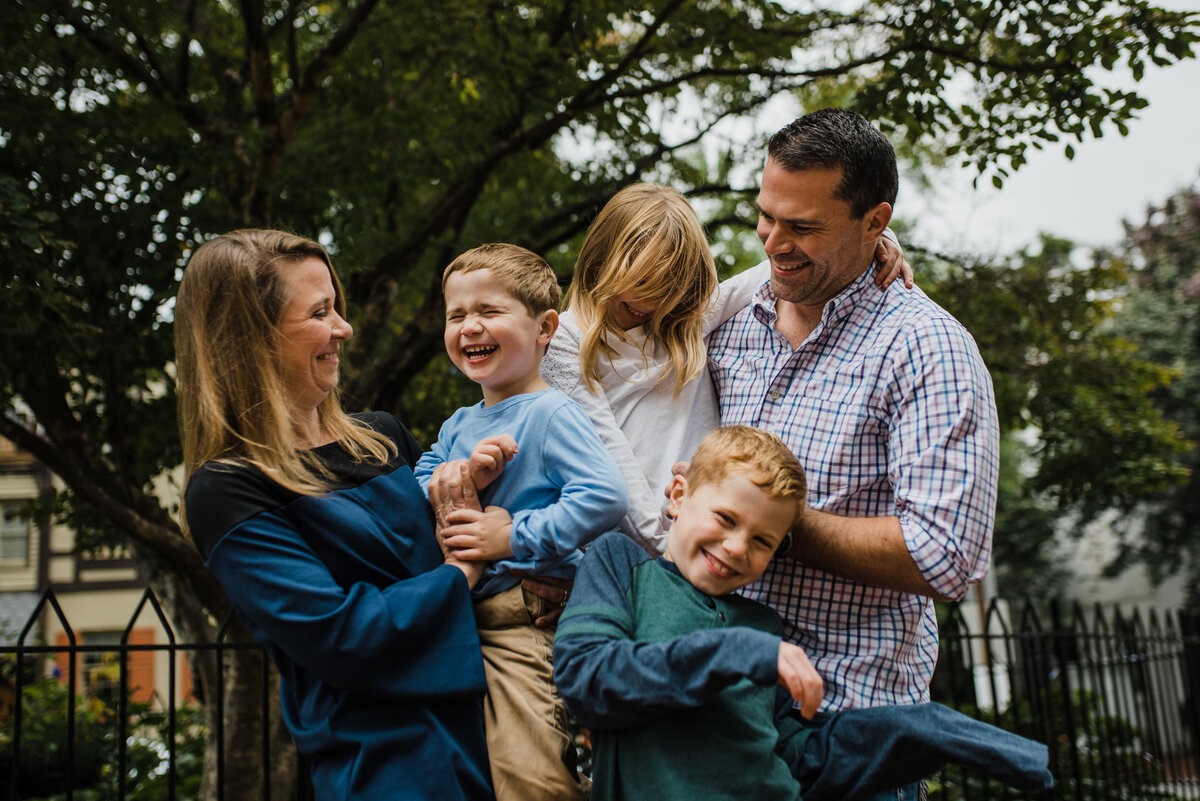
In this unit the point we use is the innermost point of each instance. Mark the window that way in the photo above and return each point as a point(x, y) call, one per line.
point(14, 534)
point(102, 669)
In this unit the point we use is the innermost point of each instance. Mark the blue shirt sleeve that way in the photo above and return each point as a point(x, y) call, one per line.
point(592, 498)
point(413, 639)
point(430, 459)
point(610, 681)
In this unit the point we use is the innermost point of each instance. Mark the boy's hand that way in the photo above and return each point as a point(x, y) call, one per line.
point(892, 264)
point(489, 457)
point(471, 535)
point(800, 678)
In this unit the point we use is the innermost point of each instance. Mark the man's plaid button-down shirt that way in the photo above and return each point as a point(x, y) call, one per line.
point(890, 409)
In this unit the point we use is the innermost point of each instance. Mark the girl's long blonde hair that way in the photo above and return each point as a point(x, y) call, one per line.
point(646, 241)
point(233, 401)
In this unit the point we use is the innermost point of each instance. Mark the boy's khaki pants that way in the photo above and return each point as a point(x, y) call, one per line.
point(531, 751)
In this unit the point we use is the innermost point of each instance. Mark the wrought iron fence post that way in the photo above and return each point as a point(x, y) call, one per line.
point(1061, 637)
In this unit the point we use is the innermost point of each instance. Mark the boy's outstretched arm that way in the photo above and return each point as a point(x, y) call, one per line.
point(610, 681)
point(860, 753)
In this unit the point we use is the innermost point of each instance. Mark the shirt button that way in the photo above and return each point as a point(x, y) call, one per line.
point(721, 616)
point(775, 394)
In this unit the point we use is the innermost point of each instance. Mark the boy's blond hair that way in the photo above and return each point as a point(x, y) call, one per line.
point(525, 274)
point(759, 455)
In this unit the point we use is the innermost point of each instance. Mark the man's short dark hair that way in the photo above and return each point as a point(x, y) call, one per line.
point(831, 138)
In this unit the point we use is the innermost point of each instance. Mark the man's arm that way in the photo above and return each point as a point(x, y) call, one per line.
point(870, 550)
point(943, 444)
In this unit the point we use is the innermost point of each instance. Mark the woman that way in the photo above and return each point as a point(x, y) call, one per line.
point(313, 523)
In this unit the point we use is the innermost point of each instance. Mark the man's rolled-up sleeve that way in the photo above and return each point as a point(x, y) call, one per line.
point(944, 454)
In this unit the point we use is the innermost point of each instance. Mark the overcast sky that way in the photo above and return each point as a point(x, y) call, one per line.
point(1111, 179)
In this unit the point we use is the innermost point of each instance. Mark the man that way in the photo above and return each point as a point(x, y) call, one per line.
point(884, 398)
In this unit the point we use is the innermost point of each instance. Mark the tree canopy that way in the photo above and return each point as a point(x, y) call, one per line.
point(405, 134)
point(1160, 314)
point(1076, 398)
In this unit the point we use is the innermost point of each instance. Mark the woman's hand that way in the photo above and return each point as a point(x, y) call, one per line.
point(553, 589)
point(800, 678)
point(450, 490)
point(892, 264)
point(472, 570)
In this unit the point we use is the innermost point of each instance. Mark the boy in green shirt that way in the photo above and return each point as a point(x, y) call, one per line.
point(676, 676)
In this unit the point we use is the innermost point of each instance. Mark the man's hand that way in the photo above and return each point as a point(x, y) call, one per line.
point(489, 457)
point(471, 535)
point(892, 264)
point(800, 678)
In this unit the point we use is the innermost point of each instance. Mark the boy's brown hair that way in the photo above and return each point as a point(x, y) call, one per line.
point(525, 274)
point(759, 455)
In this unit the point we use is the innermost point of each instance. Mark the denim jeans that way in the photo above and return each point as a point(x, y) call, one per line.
point(909, 792)
point(881, 754)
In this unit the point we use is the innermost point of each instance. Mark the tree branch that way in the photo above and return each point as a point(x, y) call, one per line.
point(139, 71)
point(299, 98)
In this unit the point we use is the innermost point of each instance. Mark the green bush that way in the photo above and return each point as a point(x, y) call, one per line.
point(42, 773)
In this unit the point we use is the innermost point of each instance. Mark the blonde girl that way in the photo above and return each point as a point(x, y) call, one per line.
point(630, 344)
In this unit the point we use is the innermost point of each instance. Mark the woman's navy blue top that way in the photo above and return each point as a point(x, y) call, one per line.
point(382, 678)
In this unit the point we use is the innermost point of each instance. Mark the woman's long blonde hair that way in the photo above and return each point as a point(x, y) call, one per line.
point(646, 241)
point(233, 402)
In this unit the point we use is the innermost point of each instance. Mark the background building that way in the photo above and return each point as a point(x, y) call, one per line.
point(92, 597)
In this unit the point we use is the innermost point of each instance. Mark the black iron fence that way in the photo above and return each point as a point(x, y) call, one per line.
point(1115, 695)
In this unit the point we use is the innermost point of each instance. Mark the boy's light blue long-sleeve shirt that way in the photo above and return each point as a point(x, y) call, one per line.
point(562, 488)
